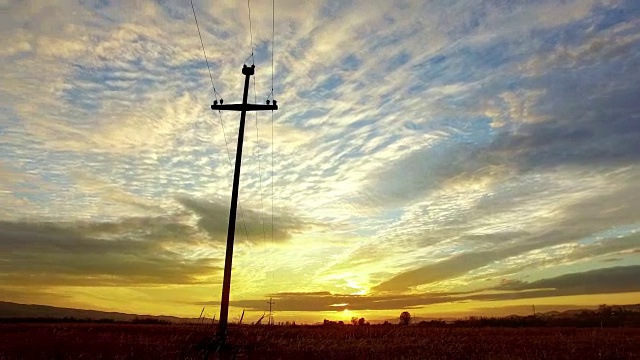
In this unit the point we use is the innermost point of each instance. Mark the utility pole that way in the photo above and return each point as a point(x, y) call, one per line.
point(243, 108)
point(270, 302)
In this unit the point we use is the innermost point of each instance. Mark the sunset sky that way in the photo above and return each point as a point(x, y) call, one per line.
point(442, 157)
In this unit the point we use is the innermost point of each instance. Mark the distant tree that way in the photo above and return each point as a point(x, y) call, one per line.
point(605, 310)
point(354, 321)
point(361, 321)
point(145, 320)
point(405, 318)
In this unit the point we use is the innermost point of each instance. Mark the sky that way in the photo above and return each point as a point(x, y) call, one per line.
point(446, 158)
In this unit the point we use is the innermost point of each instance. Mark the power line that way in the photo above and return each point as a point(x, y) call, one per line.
point(255, 100)
point(226, 144)
point(273, 275)
point(250, 32)
point(215, 93)
point(273, 35)
point(273, 27)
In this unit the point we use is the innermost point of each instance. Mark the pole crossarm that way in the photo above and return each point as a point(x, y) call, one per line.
point(244, 107)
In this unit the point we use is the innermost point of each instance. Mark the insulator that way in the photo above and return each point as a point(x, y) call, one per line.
point(268, 102)
point(221, 101)
point(275, 102)
point(215, 102)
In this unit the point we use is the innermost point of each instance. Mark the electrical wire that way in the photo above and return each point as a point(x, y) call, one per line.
point(250, 32)
point(273, 34)
point(272, 193)
point(215, 93)
point(226, 143)
point(273, 31)
point(255, 100)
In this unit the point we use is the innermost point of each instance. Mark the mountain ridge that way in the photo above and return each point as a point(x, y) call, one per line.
point(9, 310)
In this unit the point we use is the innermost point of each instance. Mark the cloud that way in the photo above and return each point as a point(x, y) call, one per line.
point(598, 281)
point(424, 171)
point(135, 251)
point(600, 132)
point(577, 220)
point(548, 127)
point(443, 270)
point(543, 121)
point(214, 219)
point(325, 301)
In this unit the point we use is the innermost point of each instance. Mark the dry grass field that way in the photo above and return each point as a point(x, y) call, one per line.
point(144, 341)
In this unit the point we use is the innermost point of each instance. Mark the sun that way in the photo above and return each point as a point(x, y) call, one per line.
point(347, 314)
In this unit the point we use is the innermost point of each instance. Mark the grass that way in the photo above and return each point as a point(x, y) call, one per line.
point(149, 341)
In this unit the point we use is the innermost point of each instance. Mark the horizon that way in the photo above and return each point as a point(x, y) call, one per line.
point(438, 158)
point(521, 311)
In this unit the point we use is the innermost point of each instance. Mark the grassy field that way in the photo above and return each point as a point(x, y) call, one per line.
point(143, 341)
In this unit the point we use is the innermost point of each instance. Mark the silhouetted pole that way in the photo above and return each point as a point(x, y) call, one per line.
point(243, 108)
point(270, 302)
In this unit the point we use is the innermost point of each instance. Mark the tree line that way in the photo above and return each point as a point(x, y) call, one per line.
point(603, 316)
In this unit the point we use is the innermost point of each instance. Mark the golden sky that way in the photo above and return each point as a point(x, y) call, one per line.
point(446, 158)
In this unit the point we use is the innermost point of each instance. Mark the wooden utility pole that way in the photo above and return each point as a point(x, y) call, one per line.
point(243, 108)
point(270, 302)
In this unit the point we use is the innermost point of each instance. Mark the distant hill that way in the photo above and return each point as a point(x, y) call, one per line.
point(576, 312)
point(10, 310)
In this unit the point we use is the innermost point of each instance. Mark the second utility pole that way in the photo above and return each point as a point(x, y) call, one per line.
point(243, 108)
point(270, 302)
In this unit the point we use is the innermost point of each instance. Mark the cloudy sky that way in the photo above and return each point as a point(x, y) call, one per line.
point(446, 157)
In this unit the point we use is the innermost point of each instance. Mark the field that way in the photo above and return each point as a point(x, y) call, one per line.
point(144, 341)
